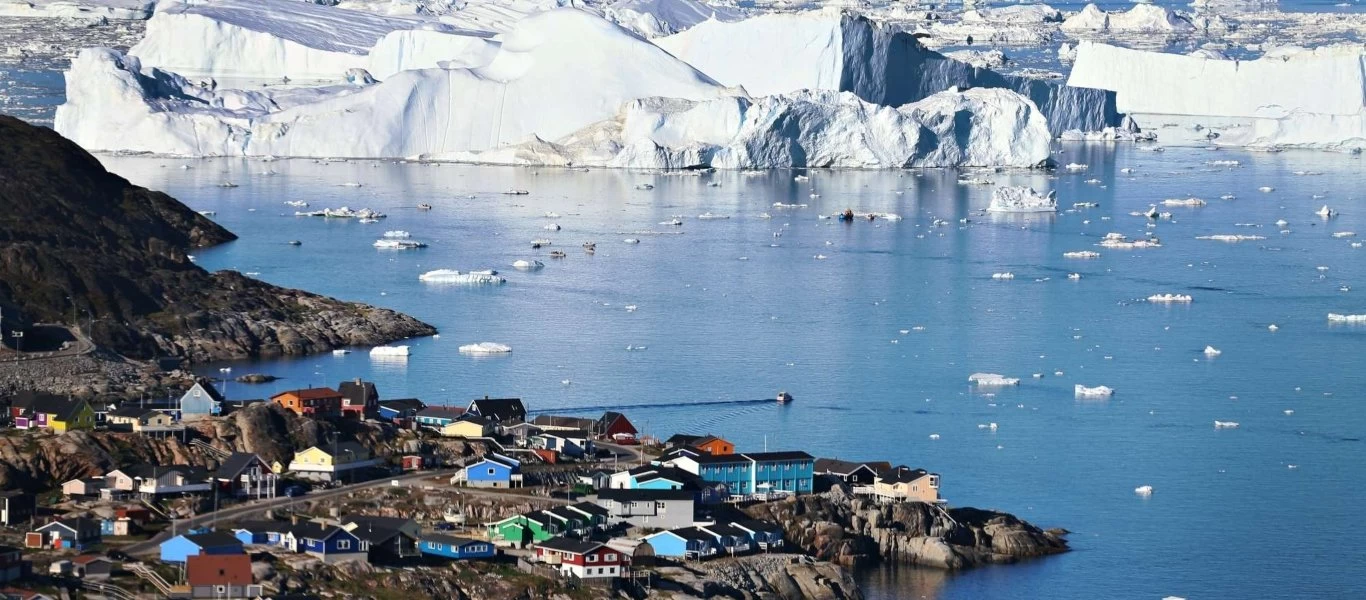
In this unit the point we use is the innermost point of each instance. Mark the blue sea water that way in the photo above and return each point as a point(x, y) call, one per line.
point(730, 311)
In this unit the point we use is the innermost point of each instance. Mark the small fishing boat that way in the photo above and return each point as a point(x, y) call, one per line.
point(784, 398)
point(557, 254)
point(424, 206)
point(847, 216)
point(295, 243)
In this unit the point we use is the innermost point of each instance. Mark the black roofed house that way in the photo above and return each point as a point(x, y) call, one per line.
point(201, 400)
point(901, 484)
point(385, 542)
point(766, 534)
point(851, 473)
point(399, 409)
point(359, 398)
point(246, 475)
point(505, 411)
point(733, 539)
point(73, 534)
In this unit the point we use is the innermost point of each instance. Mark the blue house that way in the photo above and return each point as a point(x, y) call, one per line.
point(445, 546)
point(329, 543)
point(201, 400)
point(686, 542)
point(766, 535)
point(494, 470)
point(438, 416)
point(75, 534)
point(179, 548)
point(752, 473)
point(403, 408)
point(267, 533)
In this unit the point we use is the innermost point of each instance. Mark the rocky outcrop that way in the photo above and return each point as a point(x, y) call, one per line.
point(84, 247)
point(852, 531)
point(767, 577)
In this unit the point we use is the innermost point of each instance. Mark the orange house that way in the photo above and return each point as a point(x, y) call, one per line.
point(312, 402)
point(715, 446)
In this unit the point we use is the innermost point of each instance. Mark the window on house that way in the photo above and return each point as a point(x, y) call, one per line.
point(592, 558)
point(343, 544)
point(609, 557)
point(659, 505)
point(490, 470)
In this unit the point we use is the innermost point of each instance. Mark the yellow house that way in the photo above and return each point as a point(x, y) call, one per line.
point(902, 483)
point(70, 415)
point(468, 426)
point(330, 459)
point(140, 419)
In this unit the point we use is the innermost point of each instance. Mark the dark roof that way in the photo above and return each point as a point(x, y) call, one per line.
point(682, 439)
point(342, 448)
point(63, 408)
point(570, 546)
point(571, 434)
point(313, 531)
point(693, 533)
point(589, 508)
point(903, 475)
point(235, 464)
point(78, 524)
point(727, 529)
point(403, 404)
point(564, 513)
point(214, 539)
point(449, 540)
point(539, 516)
point(788, 455)
point(133, 412)
point(375, 534)
point(500, 409)
point(476, 419)
point(756, 525)
point(32, 398)
point(358, 393)
point(262, 526)
point(645, 495)
point(441, 412)
point(362, 521)
point(557, 421)
point(609, 417)
point(840, 467)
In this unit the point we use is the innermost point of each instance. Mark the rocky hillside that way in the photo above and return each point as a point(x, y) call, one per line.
point(852, 531)
point(80, 245)
point(763, 577)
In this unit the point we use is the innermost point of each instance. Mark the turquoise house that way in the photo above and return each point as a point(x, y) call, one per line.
point(445, 546)
point(685, 542)
point(753, 473)
point(179, 548)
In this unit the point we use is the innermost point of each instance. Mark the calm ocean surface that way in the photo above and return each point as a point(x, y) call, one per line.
point(730, 311)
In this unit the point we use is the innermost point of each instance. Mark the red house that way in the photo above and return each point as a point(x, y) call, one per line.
point(359, 398)
point(311, 402)
point(615, 427)
point(585, 560)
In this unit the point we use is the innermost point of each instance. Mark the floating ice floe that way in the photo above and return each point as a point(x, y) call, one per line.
point(1099, 391)
point(1341, 318)
point(1211, 351)
point(1081, 254)
point(1344, 234)
point(1183, 202)
point(1326, 213)
point(1016, 199)
point(993, 380)
point(343, 213)
point(1273, 327)
point(1266, 189)
point(1169, 299)
point(707, 216)
point(551, 227)
point(1225, 424)
point(485, 348)
point(1074, 167)
point(1222, 163)
point(516, 192)
point(397, 234)
point(1002, 275)
point(934, 436)
point(1228, 237)
point(392, 244)
point(1119, 241)
point(340, 352)
point(488, 277)
point(389, 351)
point(296, 203)
point(631, 241)
point(1074, 276)
point(551, 215)
point(1144, 490)
point(528, 265)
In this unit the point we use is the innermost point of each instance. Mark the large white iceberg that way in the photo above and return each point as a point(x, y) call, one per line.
point(1287, 98)
point(978, 127)
point(1142, 18)
point(555, 73)
point(486, 348)
point(462, 277)
point(833, 50)
point(131, 10)
point(655, 18)
point(1015, 199)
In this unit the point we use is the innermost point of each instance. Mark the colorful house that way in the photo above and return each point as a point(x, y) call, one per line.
point(312, 402)
point(72, 534)
point(752, 473)
point(181, 547)
point(494, 470)
point(245, 475)
point(732, 539)
point(329, 462)
point(615, 427)
point(569, 442)
point(468, 426)
point(709, 444)
point(326, 542)
point(400, 409)
point(584, 560)
point(522, 529)
point(141, 420)
point(655, 477)
point(46, 411)
point(438, 416)
point(457, 548)
point(221, 576)
point(684, 542)
point(359, 398)
point(201, 400)
point(766, 535)
point(384, 543)
point(907, 484)
point(503, 411)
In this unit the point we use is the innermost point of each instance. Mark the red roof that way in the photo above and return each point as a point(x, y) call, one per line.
point(312, 393)
point(218, 569)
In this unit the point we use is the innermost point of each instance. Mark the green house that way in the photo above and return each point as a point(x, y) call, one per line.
point(521, 530)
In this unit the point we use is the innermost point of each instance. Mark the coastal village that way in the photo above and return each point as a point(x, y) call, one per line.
point(586, 502)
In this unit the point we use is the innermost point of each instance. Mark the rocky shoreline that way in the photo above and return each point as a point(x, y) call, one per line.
point(855, 532)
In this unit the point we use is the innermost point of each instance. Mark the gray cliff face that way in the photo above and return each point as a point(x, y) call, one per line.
point(766, 577)
point(852, 531)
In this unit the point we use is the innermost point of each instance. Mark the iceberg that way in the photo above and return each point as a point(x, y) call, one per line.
point(528, 265)
point(535, 84)
point(655, 18)
point(114, 10)
point(1225, 424)
point(1142, 18)
point(811, 128)
point(1230, 237)
point(1013, 199)
point(1341, 318)
point(398, 234)
point(1288, 98)
point(391, 244)
point(462, 277)
point(1170, 299)
point(1119, 241)
point(389, 351)
point(992, 380)
point(1081, 254)
point(1211, 351)
point(1099, 391)
point(835, 50)
point(485, 348)
point(1145, 491)
point(1183, 202)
